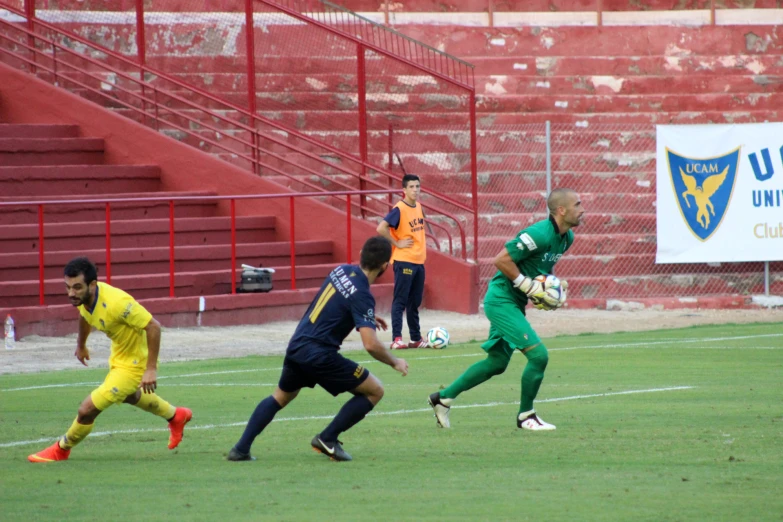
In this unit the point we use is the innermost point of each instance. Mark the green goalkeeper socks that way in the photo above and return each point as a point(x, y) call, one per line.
point(537, 359)
point(495, 364)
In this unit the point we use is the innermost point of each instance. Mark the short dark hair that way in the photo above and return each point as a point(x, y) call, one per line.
point(558, 198)
point(376, 251)
point(81, 265)
point(407, 178)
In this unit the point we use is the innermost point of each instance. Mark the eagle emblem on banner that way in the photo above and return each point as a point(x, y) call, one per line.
point(703, 189)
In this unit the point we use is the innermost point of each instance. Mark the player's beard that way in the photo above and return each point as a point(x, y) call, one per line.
point(83, 300)
point(576, 222)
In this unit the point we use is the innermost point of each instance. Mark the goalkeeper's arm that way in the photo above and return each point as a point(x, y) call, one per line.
point(508, 268)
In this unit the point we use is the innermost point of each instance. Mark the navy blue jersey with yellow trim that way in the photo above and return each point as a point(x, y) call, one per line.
point(343, 303)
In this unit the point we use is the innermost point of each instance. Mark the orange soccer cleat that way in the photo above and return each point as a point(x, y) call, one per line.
point(177, 425)
point(51, 454)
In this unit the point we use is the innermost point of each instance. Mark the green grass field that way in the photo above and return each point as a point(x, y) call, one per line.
point(666, 425)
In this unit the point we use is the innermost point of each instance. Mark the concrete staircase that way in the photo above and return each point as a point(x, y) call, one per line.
point(52, 163)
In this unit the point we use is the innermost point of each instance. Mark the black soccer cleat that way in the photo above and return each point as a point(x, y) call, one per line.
point(334, 450)
point(237, 456)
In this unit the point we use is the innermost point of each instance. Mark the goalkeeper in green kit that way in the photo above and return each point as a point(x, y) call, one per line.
point(532, 252)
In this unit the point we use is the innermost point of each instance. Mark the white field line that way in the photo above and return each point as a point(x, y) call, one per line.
point(477, 354)
point(324, 417)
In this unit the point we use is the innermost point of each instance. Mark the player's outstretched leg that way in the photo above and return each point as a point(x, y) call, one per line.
point(260, 419)
point(156, 405)
point(366, 396)
point(496, 363)
point(532, 376)
point(80, 428)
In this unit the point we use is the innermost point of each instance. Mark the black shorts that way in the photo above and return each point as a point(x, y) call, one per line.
point(311, 365)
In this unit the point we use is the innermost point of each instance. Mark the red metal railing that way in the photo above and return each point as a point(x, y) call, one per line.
point(48, 64)
point(381, 39)
point(40, 204)
point(152, 105)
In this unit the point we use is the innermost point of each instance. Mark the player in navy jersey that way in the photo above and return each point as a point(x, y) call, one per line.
point(343, 303)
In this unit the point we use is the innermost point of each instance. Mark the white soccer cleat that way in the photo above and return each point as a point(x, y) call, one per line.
point(441, 408)
point(530, 421)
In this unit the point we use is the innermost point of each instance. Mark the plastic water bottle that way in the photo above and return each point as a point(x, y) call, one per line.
point(10, 335)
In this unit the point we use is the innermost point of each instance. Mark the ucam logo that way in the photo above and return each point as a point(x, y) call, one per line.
point(703, 188)
point(719, 193)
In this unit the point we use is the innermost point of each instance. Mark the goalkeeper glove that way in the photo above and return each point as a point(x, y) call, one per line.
point(533, 289)
point(549, 301)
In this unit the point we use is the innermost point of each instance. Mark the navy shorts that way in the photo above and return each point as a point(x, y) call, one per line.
point(311, 365)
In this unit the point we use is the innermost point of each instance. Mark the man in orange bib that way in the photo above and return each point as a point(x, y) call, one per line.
point(404, 227)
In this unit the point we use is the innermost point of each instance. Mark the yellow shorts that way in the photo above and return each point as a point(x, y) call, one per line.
point(117, 386)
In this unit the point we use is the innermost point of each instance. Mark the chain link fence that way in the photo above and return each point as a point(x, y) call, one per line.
point(613, 168)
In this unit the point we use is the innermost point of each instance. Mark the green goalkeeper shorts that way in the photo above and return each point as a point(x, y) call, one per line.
point(509, 329)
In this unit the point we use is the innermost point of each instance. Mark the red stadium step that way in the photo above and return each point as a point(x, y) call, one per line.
point(403, 85)
point(283, 80)
point(528, 181)
point(222, 70)
point(603, 223)
point(598, 162)
point(524, 140)
point(462, 6)
point(630, 66)
point(493, 183)
point(331, 121)
point(748, 282)
point(51, 151)
point(587, 244)
point(592, 202)
point(507, 103)
point(628, 265)
point(68, 213)
point(155, 260)
point(621, 85)
point(468, 42)
point(522, 162)
point(78, 181)
point(138, 233)
point(478, 6)
point(186, 284)
point(488, 85)
point(619, 103)
point(26, 130)
point(705, 302)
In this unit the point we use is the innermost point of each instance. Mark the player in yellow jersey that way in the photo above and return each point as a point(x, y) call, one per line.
point(404, 227)
point(133, 363)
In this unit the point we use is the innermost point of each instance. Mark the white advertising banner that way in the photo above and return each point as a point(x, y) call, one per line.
point(719, 193)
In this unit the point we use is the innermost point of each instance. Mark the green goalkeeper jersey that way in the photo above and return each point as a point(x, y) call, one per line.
point(535, 250)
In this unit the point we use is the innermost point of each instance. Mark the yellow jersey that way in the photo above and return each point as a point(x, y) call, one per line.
point(123, 320)
point(407, 221)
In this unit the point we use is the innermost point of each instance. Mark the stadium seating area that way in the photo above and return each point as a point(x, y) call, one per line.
point(56, 164)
